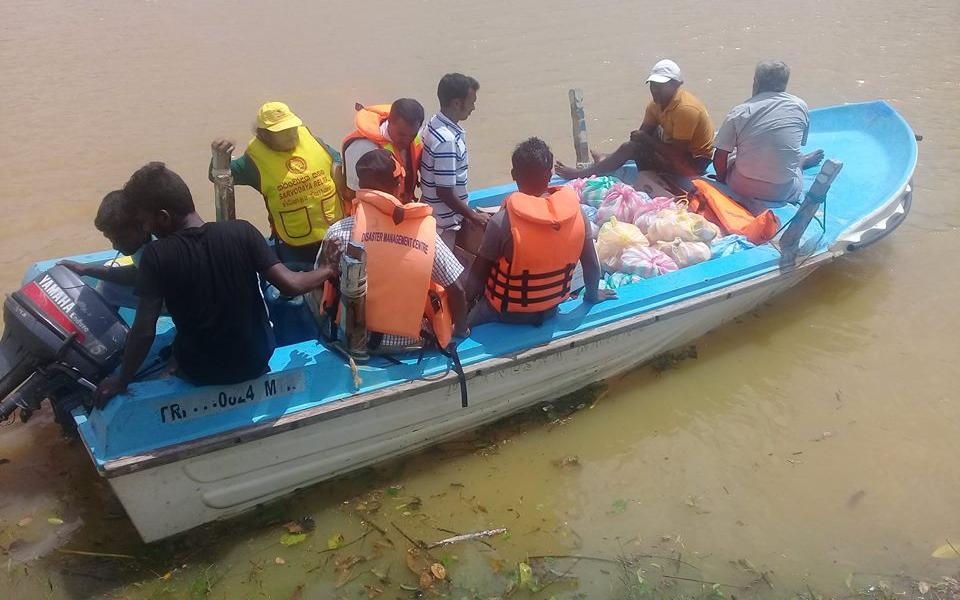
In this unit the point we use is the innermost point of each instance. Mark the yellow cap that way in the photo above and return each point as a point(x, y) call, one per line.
point(277, 116)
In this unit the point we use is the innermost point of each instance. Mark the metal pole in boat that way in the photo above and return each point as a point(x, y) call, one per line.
point(224, 200)
point(353, 298)
point(580, 145)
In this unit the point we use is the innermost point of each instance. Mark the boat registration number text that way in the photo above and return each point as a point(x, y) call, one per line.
point(222, 398)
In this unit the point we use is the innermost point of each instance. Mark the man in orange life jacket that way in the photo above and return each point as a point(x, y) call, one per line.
point(395, 128)
point(298, 176)
point(524, 277)
point(405, 258)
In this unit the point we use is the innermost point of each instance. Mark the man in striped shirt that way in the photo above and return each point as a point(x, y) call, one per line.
point(443, 167)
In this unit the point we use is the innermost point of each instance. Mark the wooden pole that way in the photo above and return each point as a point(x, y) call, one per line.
point(353, 298)
point(580, 145)
point(225, 202)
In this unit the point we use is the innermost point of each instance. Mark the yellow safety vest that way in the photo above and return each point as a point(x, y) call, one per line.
point(298, 189)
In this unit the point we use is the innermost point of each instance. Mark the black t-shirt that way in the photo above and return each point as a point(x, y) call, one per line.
point(208, 277)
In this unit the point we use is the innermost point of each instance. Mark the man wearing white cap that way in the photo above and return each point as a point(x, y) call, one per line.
point(299, 177)
point(676, 135)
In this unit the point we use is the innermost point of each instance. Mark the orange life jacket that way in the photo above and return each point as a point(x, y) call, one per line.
point(367, 122)
point(399, 240)
point(547, 241)
point(717, 207)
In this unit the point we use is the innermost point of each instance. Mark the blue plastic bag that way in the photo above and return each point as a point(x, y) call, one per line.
point(729, 244)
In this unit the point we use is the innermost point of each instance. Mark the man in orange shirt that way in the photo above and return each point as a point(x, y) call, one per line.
point(676, 135)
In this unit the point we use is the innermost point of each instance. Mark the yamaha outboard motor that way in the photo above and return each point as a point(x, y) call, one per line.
point(60, 338)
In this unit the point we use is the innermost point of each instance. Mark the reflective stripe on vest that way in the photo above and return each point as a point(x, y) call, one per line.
point(367, 122)
point(547, 236)
point(298, 188)
point(399, 241)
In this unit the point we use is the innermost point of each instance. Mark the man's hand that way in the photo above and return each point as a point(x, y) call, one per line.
point(640, 136)
point(599, 296)
point(108, 388)
point(74, 266)
point(222, 145)
point(479, 218)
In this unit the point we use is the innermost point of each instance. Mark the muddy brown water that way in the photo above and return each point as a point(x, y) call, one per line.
point(814, 439)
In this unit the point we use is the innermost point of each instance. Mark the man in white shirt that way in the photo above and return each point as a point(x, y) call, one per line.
point(766, 133)
point(394, 128)
point(443, 167)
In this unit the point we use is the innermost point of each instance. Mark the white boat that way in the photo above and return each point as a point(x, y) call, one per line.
point(178, 456)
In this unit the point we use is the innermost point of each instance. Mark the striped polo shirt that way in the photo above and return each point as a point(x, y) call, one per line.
point(444, 164)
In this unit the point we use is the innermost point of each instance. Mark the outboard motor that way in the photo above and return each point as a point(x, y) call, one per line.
point(60, 338)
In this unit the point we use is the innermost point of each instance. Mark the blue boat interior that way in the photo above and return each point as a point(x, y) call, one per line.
point(878, 151)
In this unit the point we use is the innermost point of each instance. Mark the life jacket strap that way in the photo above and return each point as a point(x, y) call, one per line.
point(500, 285)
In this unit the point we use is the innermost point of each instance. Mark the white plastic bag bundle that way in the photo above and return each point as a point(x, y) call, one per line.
point(646, 262)
point(678, 223)
point(685, 253)
point(614, 238)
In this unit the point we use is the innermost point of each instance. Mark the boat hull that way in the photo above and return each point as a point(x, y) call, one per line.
point(179, 495)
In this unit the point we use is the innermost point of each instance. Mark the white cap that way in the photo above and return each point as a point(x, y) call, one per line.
point(664, 71)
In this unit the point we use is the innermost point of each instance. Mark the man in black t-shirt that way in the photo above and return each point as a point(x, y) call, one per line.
point(207, 274)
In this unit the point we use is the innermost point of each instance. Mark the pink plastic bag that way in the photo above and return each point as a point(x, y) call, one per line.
point(622, 202)
point(646, 262)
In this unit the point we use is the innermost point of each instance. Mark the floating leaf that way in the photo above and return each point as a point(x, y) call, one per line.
point(291, 539)
point(335, 541)
point(619, 506)
point(408, 588)
point(439, 571)
point(947, 550)
point(394, 490)
point(525, 577)
point(279, 561)
point(55, 521)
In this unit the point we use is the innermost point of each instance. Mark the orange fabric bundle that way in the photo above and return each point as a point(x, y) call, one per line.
point(717, 207)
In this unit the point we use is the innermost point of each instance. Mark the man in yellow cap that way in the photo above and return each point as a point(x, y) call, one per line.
point(299, 177)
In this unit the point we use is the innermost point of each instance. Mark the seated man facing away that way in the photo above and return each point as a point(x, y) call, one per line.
point(530, 249)
point(118, 224)
point(395, 128)
point(766, 133)
point(405, 257)
point(297, 174)
point(207, 274)
point(676, 135)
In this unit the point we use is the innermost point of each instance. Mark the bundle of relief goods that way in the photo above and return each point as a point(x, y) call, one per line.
point(730, 244)
point(613, 239)
point(593, 189)
point(622, 202)
point(685, 253)
point(671, 224)
point(649, 211)
point(646, 262)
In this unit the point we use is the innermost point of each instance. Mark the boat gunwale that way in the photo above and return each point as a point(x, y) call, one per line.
point(169, 454)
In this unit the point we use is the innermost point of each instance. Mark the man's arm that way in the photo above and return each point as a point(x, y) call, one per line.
point(295, 283)
point(242, 168)
point(720, 164)
point(458, 308)
point(139, 341)
point(125, 275)
point(448, 197)
point(592, 293)
point(479, 272)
